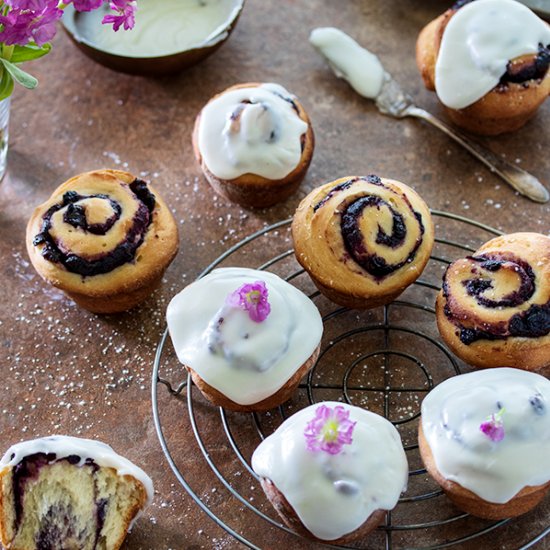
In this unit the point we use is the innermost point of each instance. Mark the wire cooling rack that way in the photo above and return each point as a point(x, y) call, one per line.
point(385, 360)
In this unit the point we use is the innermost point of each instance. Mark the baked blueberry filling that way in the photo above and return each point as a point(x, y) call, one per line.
point(534, 68)
point(371, 178)
point(355, 243)
point(57, 528)
point(534, 322)
point(476, 287)
point(58, 524)
point(75, 215)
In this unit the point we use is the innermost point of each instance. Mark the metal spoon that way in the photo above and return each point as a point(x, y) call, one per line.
point(393, 101)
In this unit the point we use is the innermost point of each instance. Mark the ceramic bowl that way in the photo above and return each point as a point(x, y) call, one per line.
point(157, 65)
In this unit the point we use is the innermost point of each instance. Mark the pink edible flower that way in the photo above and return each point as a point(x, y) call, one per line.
point(329, 430)
point(252, 297)
point(493, 427)
point(30, 20)
point(125, 14)
point(87, 5)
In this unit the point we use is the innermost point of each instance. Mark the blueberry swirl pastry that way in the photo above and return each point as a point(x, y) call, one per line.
point(487, 60)
point(254, 143)
point(363, 240)
point(494, 307)
point(61, 493)
point(105, 238)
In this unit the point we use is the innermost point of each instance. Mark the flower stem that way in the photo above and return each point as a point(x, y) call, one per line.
point(7, 51)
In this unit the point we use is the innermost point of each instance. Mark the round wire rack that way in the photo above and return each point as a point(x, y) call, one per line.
point(385, 360)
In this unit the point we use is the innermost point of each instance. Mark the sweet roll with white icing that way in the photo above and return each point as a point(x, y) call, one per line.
point(247, 337)
point(485, 438)
point(254, 143)
point(332, 470)
point(488, 62)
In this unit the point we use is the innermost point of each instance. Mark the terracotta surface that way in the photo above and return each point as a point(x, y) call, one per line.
point(68, 371)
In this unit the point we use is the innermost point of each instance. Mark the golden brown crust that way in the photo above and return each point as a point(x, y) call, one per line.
point(503, 109)
point(278, 398)
point(126, 285)
point(7, 509)
point(291, 519)
point(252, 190)
point(527, 353)
point(469, 502)
point(320, 247)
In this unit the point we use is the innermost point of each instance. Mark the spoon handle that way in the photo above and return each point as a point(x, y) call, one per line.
point(519, 179)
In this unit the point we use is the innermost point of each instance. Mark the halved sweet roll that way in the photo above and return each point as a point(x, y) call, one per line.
point(67, 493)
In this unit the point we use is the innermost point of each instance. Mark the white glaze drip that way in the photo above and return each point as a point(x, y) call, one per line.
point(244, 360)
point(334, 495)
point(361, 68)
point(495, 471)
point(163, 27)
point(63, 446)
point(262, 137)
point(478, 42)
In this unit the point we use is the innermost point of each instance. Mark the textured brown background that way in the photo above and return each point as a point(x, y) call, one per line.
point(67, 371)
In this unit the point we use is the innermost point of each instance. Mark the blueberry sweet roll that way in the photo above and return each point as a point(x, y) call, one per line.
point(105, 238)
point(363, 240)
point(494, 307)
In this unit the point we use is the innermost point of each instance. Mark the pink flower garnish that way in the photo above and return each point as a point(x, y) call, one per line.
point(125, 11)
point(251, 297)
point(86, 5)
point(29, 20)
point(330, 430)
point(493, 427)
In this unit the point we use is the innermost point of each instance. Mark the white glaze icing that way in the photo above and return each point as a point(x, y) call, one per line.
point(63, 446)
point(262, 137)
point(478, 42)
point(373, 469)
point(495, 471)
point(251, 360)
point(163, 27)
point(361, 68)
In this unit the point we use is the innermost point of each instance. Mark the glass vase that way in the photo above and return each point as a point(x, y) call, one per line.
point(4, 127)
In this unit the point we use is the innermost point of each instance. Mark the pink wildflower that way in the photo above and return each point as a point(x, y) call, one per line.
point(30, 20)
point(493, 427)
point(125, 11)
point(252, 297)
point(87, 5)
point(330, 430)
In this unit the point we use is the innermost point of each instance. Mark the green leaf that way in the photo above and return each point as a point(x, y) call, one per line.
point(29, 52)
point(6, 85)
point(25, 79)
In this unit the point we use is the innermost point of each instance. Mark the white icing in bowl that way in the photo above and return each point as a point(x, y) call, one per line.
point(477, 44)
point(163, 27)
point(494, 470)
point(250, 361)
point(252, 130)
point(359, 67)
point(373, 469)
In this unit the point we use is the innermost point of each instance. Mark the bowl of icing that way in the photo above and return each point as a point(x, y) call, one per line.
point(168, 36)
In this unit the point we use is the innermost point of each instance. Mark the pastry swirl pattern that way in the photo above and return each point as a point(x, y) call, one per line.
point(472, 284)
point(105, 238)
point(499, 297)
point(115, 224)
point(364, 233)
